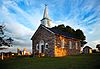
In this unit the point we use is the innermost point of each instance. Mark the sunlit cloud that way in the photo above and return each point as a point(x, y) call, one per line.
point(22, 18)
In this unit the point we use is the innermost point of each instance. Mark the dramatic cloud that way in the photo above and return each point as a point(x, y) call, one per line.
point(22, 18)
point(19, 32)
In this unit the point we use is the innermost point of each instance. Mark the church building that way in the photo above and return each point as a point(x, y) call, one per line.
point(51, 42)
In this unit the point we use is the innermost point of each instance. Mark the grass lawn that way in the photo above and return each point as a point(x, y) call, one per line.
point(70, 62)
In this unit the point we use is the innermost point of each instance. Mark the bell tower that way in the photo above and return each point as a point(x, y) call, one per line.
point(46, 20)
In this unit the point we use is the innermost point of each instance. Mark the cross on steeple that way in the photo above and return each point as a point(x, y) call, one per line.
point(46, 21)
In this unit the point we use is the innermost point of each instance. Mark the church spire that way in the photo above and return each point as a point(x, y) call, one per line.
point(45, 12)
point(46, 21)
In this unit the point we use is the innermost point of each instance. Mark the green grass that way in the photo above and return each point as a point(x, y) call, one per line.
point(70, 62)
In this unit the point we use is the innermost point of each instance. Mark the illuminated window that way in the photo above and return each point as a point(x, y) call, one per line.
point(46, 46)
point(37, 46)
point(41, 46)
point(70, 44)
point(76, 45)
point(62, 43)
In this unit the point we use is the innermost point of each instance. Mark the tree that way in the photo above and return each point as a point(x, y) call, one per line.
point(61, 27)
point(70, 30)
point(98, 46)
point(78, 34)
point(83, 42)
point(94, 51)
point(4, 41)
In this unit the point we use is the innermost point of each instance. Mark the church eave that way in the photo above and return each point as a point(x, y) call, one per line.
point(48, 29)
point(44, 28)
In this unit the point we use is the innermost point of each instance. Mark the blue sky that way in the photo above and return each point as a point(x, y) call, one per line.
point(22, 18)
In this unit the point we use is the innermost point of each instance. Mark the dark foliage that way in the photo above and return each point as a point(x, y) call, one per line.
point(83, 42)
point(4, 41)
point(78, 34)
point(98, 46)
point(94, 51)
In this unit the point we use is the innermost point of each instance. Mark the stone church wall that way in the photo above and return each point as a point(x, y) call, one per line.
point(47, 37)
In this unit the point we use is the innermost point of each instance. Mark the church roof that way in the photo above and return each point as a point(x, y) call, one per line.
point(59, 32)
point(87, 47)
point(56, 31)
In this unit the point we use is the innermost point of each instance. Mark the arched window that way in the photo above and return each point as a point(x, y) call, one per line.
point(42, 42)
point(37, 46)
point(46, 45)
point(70, 44)
point(76, 45)
point(41, 46)
point(62, 43)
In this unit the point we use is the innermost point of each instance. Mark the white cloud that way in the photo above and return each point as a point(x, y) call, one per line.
point(93, 43)
point(95, 32)
point(18, 32)
point(93, 37)
point(34, 20)
point(22, 33)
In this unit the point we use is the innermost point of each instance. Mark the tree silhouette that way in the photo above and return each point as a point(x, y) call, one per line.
point(4, 41)
point(98, 46)
point(78, 34)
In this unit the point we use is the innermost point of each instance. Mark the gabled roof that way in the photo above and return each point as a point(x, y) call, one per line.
point(44, 28)
point(87, 47)
point(65, 34)
point(56, 31)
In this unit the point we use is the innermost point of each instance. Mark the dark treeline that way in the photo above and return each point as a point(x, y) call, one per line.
point(4, 40)
point(78, 34)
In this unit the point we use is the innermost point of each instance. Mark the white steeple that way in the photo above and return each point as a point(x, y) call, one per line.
point(46, 21)
point(45, 12)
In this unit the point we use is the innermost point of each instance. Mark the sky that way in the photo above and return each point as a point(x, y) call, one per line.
point(22, 17)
